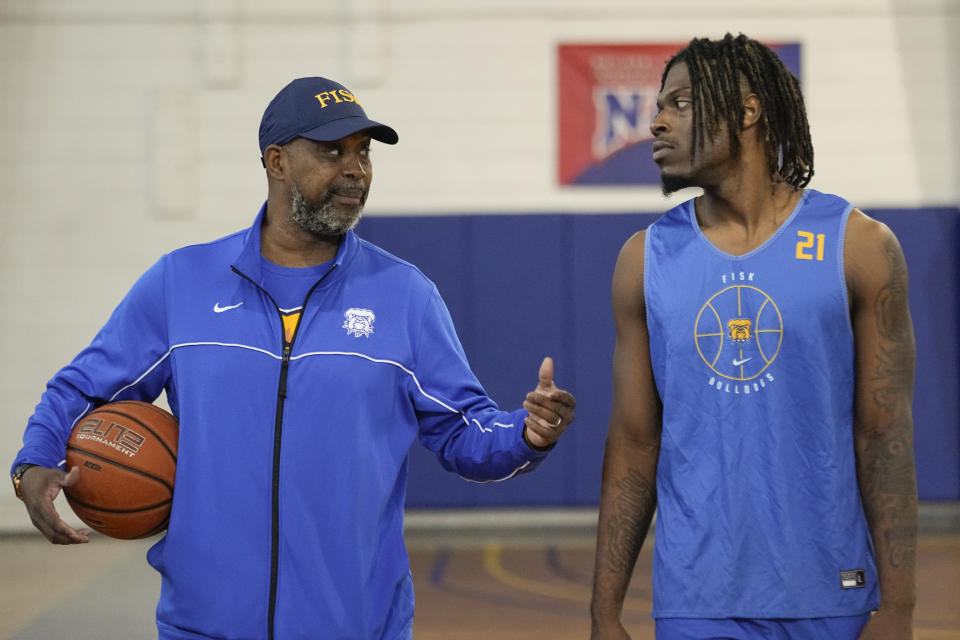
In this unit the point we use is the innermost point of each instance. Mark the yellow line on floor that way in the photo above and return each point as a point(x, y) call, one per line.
point(492, 562)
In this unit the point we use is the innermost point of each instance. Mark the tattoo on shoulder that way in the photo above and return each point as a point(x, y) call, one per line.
point(893, 370)
point(891, 301)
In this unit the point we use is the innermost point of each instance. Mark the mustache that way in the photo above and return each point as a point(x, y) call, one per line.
point(348, 187)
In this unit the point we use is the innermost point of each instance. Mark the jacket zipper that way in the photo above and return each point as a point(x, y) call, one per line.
point(277, 440)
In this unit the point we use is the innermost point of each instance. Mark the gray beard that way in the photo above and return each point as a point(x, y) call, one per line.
point(320, 220)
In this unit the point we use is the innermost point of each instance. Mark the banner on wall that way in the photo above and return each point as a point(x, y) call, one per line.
point(607, 98)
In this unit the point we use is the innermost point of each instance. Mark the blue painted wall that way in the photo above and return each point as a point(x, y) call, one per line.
point(521, 287)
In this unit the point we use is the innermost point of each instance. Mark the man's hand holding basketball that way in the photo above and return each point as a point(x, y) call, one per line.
point(550, 408)
point(40, 486)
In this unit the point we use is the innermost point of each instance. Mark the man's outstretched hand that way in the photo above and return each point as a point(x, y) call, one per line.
point(550, 408)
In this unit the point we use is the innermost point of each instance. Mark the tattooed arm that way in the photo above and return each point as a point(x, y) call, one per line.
point(883, 420)
point(628, 495)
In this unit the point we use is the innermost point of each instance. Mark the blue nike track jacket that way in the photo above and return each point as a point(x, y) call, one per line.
point(287, 516)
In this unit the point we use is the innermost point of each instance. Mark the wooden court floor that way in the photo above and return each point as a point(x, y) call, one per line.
point(501, 591)
point(487, 589)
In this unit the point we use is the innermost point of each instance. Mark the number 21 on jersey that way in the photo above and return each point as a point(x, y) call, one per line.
point(809, 246)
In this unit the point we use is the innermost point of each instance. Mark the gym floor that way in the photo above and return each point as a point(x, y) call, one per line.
point(477, 576)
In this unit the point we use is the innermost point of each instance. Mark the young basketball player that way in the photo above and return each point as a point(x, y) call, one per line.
point(763, 377)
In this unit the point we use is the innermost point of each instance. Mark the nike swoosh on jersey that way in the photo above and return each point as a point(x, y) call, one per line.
point(218, 309)
point(737, 363)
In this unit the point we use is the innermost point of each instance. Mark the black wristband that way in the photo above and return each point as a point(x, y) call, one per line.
point(18, 472)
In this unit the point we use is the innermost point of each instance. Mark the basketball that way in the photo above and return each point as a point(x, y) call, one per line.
point(127, 455)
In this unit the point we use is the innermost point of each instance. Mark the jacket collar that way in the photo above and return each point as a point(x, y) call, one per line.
point(249, 260)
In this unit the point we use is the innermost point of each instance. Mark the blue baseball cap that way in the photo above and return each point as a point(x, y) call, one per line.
point(317, 109)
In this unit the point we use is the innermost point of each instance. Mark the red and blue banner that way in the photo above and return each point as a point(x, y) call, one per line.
point(607, 98)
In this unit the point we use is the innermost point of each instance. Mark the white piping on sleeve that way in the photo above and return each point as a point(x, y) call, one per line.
point(513, 473)
point(81, 414)
point(63, 463)
point(480, 426)
point(487, 429)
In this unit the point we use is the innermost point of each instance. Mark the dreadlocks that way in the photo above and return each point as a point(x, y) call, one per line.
point(718, 70)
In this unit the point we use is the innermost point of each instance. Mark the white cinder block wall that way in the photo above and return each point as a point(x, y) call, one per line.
point(130, 127)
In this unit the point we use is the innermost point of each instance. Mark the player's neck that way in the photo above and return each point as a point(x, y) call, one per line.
point(739, 216)
point(747, 199)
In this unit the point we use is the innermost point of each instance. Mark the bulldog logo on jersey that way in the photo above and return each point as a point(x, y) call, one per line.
point(738, 334)
point(739, 329)
point(359, 322)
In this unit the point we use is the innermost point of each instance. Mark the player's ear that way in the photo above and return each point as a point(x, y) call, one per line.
point(752, 110)
point(275, 161)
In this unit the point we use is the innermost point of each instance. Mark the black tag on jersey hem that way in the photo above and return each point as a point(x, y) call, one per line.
point(853, 579)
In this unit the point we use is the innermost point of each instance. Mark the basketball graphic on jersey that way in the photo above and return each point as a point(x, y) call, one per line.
point(738, 332)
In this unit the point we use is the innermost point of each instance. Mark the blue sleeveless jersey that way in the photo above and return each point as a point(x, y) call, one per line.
point(759, 512)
